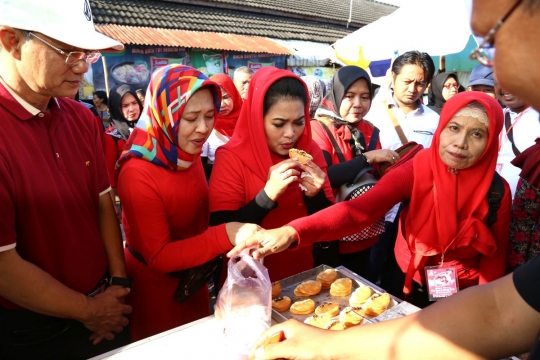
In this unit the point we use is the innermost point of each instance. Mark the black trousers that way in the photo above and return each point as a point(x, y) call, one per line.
point(25, 335)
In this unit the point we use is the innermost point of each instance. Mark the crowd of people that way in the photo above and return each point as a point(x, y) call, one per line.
point(201, 168)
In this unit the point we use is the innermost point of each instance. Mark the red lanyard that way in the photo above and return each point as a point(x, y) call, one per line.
point(501, 137)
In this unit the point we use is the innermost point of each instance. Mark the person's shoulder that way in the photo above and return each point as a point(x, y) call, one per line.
point(429, 112)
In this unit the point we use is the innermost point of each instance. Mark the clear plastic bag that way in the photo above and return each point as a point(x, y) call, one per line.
point(244, 304)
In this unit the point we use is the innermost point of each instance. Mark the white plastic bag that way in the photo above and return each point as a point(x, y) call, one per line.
point(244, 303)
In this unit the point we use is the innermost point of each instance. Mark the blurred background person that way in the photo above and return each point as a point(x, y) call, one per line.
point(443, 87)
point(101, 104)
point(317, 92)
point(242, 77)
point(481, 79)
point(141, 95)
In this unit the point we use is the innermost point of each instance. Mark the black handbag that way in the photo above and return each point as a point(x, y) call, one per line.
point(190, 280)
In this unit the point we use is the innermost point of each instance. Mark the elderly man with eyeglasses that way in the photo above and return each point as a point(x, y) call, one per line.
point(60, 243)
point(491, 321)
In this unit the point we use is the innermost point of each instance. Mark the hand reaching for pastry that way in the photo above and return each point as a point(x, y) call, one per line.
point(238, 233)
point(280, 176)
point(314, 182)
point(267, 241)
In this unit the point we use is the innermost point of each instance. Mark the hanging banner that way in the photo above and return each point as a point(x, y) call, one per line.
point(254, 61)
point(209, 62)
point(324, 73)
point(135, 64)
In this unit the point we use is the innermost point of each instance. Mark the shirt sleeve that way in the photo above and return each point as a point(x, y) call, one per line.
point(527, 282)
point(145, 212)
point(349, 217)
point(493, 267)
point(111, 157)
point(103, 177)
point(7, 208)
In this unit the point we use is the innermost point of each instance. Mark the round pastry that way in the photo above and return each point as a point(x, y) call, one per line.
point(327, 277)
point(341, 287)
point(308, 288)
point(303, 307)
point(300, 154)
point(327, 308)
point(319, 321)
point(281, 304)
point(334, 325)
point(351, 316)
point(360, 295)
point(377, 304)
point(276, 289)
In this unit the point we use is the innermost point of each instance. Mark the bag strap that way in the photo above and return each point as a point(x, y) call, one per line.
point(495, 195)
point(220, 136)
point(395, 122)
point(362, 172)
point(339, 154)
point(374, 139)
point(510, 132)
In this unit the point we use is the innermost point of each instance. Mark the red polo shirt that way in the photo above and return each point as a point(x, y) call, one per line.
point(52, 173)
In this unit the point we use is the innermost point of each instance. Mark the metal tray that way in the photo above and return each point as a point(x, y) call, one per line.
point(289, 284)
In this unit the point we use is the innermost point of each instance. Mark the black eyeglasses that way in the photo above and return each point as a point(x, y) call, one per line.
point(485, 52)
point(89, 56)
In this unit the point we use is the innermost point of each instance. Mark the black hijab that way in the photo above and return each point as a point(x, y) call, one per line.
point(340, 83)
point(120, 126)
point(435, 97)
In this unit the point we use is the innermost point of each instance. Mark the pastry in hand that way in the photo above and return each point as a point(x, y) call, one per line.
point(341, 287)
point(301, 155)
point(377, 304)
point(277, 337)
point(319, 321)
point(281, 304)
point(308, 288)
point(303, 307)
point(360, 296)
point(276, 289)
point(351, 316)
point(327, 308)
point(327, 277)
point(334, 325)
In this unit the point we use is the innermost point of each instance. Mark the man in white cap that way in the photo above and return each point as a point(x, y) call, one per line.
point(60, 243)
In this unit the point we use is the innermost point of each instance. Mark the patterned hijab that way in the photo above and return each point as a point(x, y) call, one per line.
point(317, 91)
point(155, 137)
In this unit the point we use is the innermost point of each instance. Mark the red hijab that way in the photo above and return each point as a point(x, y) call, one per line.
point(225, 124)
point(447, 211)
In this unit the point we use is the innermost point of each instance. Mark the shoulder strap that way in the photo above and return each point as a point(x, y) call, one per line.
point(220, 136)
point(338, 151)
point(510, 132)
point(495, 195)
point(374, 139)
point(395, 122)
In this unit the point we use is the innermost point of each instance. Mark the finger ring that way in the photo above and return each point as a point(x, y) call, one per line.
point(393, 158)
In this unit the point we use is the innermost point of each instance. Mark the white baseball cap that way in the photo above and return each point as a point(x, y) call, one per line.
point(68, 21)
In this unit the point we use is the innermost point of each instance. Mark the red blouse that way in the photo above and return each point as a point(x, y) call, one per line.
point(165, 217)
point(112, 147)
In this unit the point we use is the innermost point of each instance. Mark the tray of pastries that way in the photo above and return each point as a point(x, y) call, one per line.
point(329, 298)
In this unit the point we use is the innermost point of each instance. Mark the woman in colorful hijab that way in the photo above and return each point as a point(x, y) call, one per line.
point(253, 172)
point(165, 199)
point(446, 188)
point(317, 91)
point(443, 87)
point(339, 121)
point(225, 120)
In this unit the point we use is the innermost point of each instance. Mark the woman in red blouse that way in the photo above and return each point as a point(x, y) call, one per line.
point(254, 180)
point(165, 200)
point(340, 116)
point(446, 188)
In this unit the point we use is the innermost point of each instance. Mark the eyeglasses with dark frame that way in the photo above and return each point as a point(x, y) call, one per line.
point(485, 51)
point(89, 56)
point(451, 86)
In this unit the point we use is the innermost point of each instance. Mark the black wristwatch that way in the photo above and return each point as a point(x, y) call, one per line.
point(120, 281)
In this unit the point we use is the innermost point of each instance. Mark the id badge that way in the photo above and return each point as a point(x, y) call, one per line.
point(441, 281)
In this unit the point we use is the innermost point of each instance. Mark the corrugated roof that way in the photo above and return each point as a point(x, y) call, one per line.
point(192, 39)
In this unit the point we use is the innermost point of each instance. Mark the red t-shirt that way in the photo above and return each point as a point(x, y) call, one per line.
point(342, 137)
point(113, 148)
point(52, 173)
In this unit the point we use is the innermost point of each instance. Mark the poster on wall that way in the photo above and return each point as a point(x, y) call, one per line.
point(209, 62)
point(324, 73)
point(253, 60)
point(134, 65)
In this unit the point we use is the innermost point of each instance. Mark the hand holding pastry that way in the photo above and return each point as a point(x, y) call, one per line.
point(240, 232)
point(268, 241)
point(312, 178)
point(280, 176)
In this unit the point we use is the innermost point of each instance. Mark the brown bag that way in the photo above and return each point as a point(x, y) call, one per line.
point(406, 153)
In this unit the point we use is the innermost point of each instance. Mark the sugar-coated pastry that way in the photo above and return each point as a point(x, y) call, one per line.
point(319, 321)
point(360, 296)
point(281, 304)
point(334, 325)
point(327, 277)
point(308, 288)
point(377, 304)
point(276, 289)
point(351, 316)
point(329, 308)
point(303, 307)
point(341, 287)
point(300, 154)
